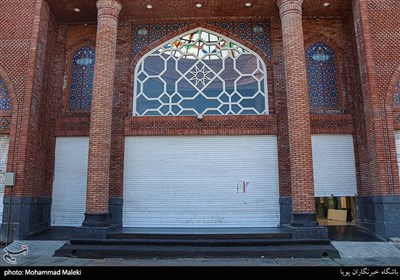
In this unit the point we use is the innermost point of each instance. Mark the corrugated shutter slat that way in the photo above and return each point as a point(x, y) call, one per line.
point(334, 165)
point(69, 186)
point(192, 181)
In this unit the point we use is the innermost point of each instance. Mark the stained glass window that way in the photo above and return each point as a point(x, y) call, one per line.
point(254, 31)
point(200, 73)
point(81, 80)
point(5, 102)
point(323, 84)
point(396, 98)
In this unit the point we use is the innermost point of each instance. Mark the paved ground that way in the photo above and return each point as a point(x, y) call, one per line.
point(384, 254)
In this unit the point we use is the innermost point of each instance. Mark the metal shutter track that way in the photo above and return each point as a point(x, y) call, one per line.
point(191, 181)
point(4, 143)
point(334, 165)
point(69, 186)
point(397, 139)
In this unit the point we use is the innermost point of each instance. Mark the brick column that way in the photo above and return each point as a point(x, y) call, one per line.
point(298, 109)
point(101, 114)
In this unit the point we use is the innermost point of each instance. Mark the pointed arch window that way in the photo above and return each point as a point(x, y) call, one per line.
point(396, 97)
point(323, 84)
point(81, 80)
point(200, 72)
point(5, 101)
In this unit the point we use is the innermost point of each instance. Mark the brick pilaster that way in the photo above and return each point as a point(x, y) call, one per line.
point(377, 150)
point(299, 131)
point(101, 114)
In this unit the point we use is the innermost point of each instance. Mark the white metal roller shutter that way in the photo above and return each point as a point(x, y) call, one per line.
point(397, 139)
point(4, 142)
point(69, 186)
point(192, 181)
point(334, 165)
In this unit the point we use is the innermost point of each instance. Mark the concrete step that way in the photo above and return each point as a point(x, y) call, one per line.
point(197, 242)
point(194, 236)
point(171, 251)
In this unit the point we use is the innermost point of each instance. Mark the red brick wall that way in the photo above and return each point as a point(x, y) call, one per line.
point(34, 104)
point(376, 149)
point(351, 86)
point(15, 40)
point(121, 106)
point(24, 35)
point(328, 31)
point(385, 34)
point(54, 90)
point(339, 32)
point(299, 129)
point(275, 123)
point(281, 109)
point(102, 106)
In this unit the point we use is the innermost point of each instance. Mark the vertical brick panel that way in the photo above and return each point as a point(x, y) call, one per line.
point(376, 148)
point(352, 83)
point(281, 108)
point(299, 131)
point(28, 152)
point(101, 114)
point(122, 81)
point(54, 90)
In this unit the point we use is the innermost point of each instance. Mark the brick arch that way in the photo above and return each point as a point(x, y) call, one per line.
point(212, 28)
point(328, 41)
point(85, 42)
point(392, 86)
point(338, 50)
point(89, 42)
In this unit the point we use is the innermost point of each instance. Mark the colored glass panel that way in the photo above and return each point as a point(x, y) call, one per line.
point(323, 85)
point(200, 73)
point(5, 102)
point(254, 31)
point(81, 80)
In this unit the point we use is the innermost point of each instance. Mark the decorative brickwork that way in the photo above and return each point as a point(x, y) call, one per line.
point(211, 125)
point(101, 114)
point(38, 43)
point(298, 109)
point(378, 168)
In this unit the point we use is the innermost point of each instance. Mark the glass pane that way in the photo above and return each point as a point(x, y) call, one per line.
point(201, 72)
point(81, 80)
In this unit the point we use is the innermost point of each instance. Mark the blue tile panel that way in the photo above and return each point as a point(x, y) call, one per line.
point(323, 85)
point(81, 80)
point(5, 103)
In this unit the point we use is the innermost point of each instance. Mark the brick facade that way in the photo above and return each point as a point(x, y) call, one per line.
point(36, 60)
point(298, 110)
point(102, 107)
point(378, 167)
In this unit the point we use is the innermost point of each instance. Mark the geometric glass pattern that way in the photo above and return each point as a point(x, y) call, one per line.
point(5, 102)
point(81, 80)
point(200, 73)
point(396, 98)
point(323, 86)
point(254, 31)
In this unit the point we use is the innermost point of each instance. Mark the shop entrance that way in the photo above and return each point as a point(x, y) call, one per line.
point(332, 211)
